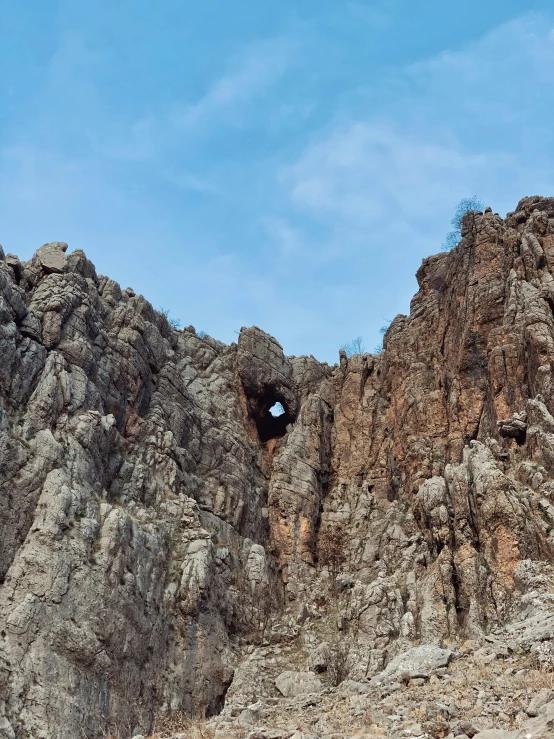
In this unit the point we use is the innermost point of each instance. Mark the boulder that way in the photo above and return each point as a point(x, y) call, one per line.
point(542, 697)
point(290, 683)
point(417, 662)
point(52, 256)
point(541, 727)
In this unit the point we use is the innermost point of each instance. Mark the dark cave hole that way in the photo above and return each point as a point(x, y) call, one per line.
point(521, 438)
point(217, 703)
point(461, 599)
point(271, 415)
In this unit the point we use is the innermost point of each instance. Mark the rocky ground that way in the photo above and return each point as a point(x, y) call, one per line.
point(439, 693)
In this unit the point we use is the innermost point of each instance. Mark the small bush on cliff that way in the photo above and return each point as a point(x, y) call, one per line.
point(333, 542)
point(465, 206)
point(175, 322)
point(356, 346)
point(378, 348)
point(383, 330)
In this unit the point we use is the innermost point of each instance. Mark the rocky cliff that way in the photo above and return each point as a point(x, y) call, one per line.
point(160, 529)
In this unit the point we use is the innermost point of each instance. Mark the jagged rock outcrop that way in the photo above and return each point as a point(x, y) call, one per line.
point(158, 522)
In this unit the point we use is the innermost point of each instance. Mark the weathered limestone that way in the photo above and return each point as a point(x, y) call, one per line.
point(157, 522)
point(417, 662)
point(290, 683)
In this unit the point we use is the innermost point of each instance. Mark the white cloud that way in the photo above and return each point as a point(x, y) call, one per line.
point(363, 169)
point(74, 64)
point(289, 240)
point(380, 182)
point(249, 76)
point(378, 14)
point(450, 127)
point(289, 246)
point(233, 100)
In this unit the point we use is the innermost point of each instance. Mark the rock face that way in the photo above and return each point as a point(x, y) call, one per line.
point(158, 522)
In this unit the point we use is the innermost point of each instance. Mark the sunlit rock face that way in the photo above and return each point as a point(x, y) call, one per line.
point(158, 520)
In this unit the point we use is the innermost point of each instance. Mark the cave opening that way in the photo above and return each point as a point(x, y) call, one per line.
point(271, 415)
point(217, 703)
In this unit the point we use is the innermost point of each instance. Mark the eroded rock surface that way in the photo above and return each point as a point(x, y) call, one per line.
point(161, 530)
point(290, 683)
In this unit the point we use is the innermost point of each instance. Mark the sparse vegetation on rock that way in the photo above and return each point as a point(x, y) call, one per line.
point(356, 346)
point(466, 207)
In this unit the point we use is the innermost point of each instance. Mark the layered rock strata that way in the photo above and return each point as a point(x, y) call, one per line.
point(158, 521)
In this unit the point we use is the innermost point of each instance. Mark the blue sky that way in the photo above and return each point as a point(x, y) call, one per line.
point(284, 164)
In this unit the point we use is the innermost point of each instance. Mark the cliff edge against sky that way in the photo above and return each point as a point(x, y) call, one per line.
point(166, 544)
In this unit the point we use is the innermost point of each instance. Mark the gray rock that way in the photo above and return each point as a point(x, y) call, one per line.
point(541, 727)
point(466, 727)
point(6, 729)
point(355, 688)
point(514, 427)
point(52, 257)
point(246, 717)
point(319, 658)
point(419, 662)
point(545, 695)
point(291, 683)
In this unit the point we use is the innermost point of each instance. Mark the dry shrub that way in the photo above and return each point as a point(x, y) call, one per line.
point(419, 714)
point(332, 548)
point(179, 722)
point(340, 721)
point(112, 734)
point(335, 720)
point(484, 671)
point(536, 678)
point(337, 664)
point(366, 719)
point(258, 602)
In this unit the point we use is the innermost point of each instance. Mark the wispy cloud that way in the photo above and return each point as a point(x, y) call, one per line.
point(382, 182)
point(379, 14)
point(290, 241)
point(171, 138)
point(282, 196)
point(361, 171)
point(453, 130)
point(75, 65)
point(248, 77)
